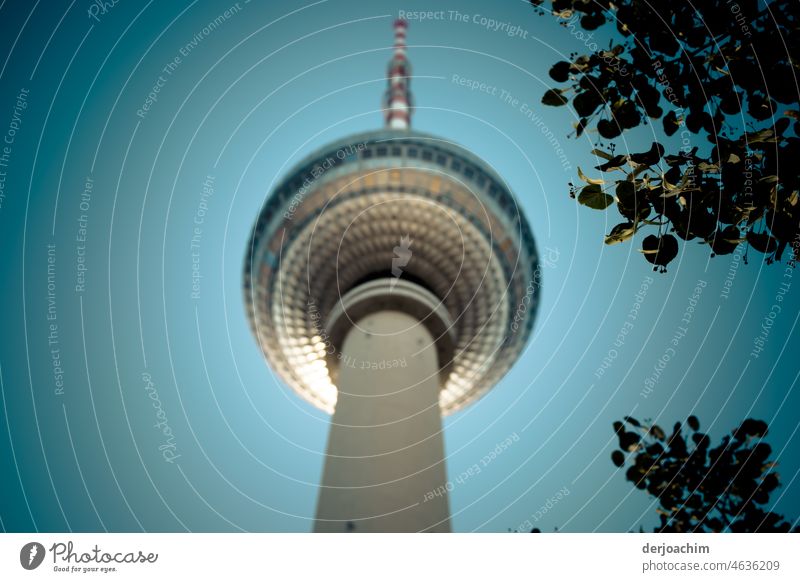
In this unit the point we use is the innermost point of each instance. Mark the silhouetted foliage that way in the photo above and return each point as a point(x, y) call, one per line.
point(711, 67)
point(699, 488)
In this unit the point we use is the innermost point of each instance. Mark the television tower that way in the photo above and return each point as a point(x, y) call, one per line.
point(390, 279)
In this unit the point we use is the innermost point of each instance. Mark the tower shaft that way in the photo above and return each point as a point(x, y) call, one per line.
point(384, 468)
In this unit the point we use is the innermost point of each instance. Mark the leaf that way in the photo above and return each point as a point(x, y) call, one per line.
point(621, 233)
point(660, 250)
point(625, 114)
point(613, 164)
point(693, 423)
point(594, 197)
point(632, 421)
point(626, 193)
point(756, 428)
point(763, 136)
point(618, 458)
point(583, 177)
point(629, 441)
point(762, 242)
point(760, 453)
point(638, 170)
point(586, 102)
point(671, 123)
point(560, 72)
point(608, 129)
point(708, 168)
point(554, 98)
point(725, 241)
point(602, 154)
point(686, 180)
point(650, 157)
point(759, 106)
point(633, 475)
point(701, 440)
point(658, 432)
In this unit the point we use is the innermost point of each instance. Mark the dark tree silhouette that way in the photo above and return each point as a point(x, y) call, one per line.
point(720, 68)
point(699, 488)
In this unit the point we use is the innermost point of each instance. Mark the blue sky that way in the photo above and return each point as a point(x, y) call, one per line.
point(247, 99)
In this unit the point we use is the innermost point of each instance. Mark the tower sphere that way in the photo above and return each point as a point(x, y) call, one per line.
point(392, 219)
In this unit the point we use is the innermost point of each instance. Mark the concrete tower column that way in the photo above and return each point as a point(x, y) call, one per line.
point(385, 447)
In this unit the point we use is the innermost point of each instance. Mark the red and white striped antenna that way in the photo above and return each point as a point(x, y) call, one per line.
point(397, 101)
